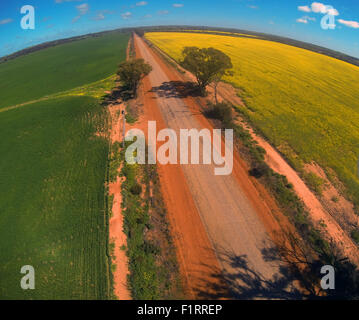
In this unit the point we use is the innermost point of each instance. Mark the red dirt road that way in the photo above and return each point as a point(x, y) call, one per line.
point(199, 268)
point(220, 223)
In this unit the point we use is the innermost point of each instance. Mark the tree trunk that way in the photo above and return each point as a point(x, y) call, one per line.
point(135, 89)
point(215, 92)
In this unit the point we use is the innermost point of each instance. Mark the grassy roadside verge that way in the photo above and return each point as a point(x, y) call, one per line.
point(153, 264)
point(152, 260)
point(131, 48)
point(112, 169)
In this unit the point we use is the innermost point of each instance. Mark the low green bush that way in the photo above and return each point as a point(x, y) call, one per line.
point(220, 111)
point(136, 189)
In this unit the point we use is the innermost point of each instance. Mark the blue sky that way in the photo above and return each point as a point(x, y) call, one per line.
point(298, 19)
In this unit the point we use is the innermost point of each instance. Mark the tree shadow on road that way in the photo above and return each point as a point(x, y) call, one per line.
point(177, 89)
point(298, 274)
point(241, 282)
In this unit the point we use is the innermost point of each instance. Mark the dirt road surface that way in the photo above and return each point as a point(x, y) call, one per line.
point(234, 215)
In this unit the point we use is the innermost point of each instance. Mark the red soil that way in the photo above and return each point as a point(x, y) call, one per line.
point(117, 236)
point(194, 250)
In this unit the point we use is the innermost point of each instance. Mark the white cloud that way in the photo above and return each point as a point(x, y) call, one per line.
point(101, 15)
point(319, 7)
point(83, 8)
point(301, 20)
point(304, 9)
point(141, 3)
point(305, 19)
point(126, 15)
point(178, 5)
point(252, 7)
point(351, 24)
point(5, 21)
point(163, 12)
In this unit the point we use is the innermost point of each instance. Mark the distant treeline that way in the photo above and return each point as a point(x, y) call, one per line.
point(142, 30)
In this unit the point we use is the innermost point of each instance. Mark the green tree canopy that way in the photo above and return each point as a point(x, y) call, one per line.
point(207, 64)
point(132, 72)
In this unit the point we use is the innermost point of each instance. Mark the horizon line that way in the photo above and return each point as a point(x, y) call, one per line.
point(132, 29)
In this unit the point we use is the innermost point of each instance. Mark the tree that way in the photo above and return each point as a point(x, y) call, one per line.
point(132, 72)
point(209, 65)
point(217, 80)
